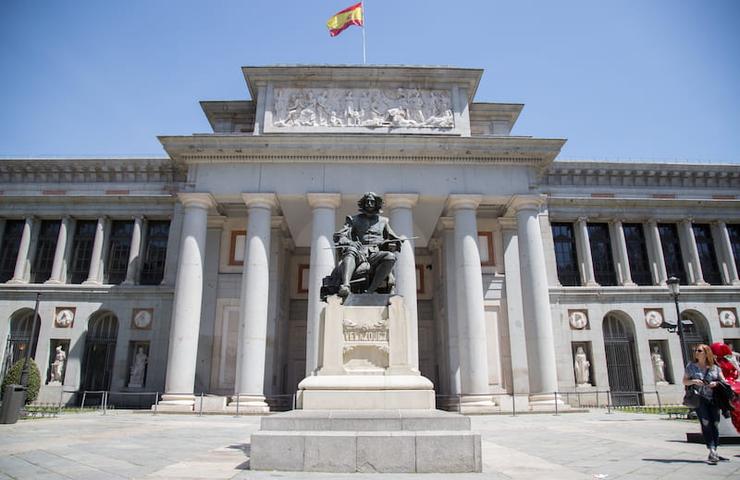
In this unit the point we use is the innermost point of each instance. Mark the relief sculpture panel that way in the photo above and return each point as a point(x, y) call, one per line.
point(369, 108)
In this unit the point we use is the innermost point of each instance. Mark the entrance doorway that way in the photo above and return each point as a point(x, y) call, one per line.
point(621, 364)
point(100, 347)
point(20, 338)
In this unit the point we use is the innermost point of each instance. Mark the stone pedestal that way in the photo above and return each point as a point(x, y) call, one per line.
point(364, 359)
point(366, 409)
point(373, 441)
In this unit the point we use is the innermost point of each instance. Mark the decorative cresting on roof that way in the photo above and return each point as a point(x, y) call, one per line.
point(637, 175)
point(509, 160)
point(37, 170)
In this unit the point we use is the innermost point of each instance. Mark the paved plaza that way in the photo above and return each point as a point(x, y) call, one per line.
point(141, 445)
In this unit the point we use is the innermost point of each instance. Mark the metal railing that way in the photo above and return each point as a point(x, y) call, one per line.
point(104, 400)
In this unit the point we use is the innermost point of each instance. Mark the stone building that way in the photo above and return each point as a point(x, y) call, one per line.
point(209, 261)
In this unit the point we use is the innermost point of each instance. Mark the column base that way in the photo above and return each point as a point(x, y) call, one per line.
point(248, 404)
point(16, 281)
point(175, 403)
point(92, 282)
point(474, 404)
point(546, 402)
point(53, 282)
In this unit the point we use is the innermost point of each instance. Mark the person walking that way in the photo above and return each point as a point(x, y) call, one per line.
point(703, 375)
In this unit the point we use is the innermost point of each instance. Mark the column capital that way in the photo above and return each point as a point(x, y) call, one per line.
point(400, 200)
point(526, 202)
point(202, 200)
point(446, 223)
point(324, 200)
point(507, 223)
point(260, 200)
point(457, 201)
point(687, 221)
point(582, 219)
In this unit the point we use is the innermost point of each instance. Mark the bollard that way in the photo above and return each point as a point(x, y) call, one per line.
point(660, 406)
point(104, 402)
point(237, 405)
point(84, 394)
point(61, 399)
point(555, 395)
point(608, 402)
point(513, 404)
point(200, 411)
point(156, 402)
point(294, 400)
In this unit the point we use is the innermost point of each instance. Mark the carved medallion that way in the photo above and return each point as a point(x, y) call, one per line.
point(368, 108)
point(142, 318)
point(653, 318)
point(65, 317)
point(727, 317)
point(578, 319)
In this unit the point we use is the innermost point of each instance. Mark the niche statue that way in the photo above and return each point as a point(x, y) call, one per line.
point(366, 247)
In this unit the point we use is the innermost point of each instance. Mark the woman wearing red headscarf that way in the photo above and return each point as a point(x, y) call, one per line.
point(726, 360)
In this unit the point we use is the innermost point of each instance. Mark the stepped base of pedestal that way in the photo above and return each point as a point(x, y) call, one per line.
point(175, 403)
point(366, 392)
point(547, 403)
point(381, 441)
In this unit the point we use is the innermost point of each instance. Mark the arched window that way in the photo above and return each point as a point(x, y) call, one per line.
point(20, 337)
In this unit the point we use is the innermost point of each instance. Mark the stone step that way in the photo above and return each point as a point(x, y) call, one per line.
point(366, 421)
point(367, 452)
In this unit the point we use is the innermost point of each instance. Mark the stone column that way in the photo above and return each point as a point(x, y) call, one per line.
point(187, 304)
point(620, 250)
point(254, 302)
point(134, 256)
point(95, 275)
point(402, 222)
point(724, 253)
point(515, 313)
point(470, 310)
point(583, 252)
point(59, 267)
point(537, 318)
point(324, 207)
point(690, 252)
point(23, 260)
point(655, 251)
point(450, 275)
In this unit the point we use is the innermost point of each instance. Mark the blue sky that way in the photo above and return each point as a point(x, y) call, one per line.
point(620, 79)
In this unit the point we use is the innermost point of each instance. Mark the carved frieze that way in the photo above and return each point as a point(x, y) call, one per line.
point(368, 108)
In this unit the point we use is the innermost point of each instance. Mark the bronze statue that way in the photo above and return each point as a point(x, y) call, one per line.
point(366, 247)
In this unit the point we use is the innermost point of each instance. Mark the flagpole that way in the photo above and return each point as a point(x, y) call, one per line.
point(364, 57)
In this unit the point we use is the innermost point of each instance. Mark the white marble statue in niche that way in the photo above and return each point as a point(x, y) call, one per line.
point(335, 107)
point(581, 366)
point(658, 366)
point(57, 367)
point(138, 368)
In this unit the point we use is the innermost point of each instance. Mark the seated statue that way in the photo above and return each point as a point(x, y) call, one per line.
point(366, 247)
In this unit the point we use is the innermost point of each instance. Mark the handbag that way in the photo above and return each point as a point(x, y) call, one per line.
point(691, 398)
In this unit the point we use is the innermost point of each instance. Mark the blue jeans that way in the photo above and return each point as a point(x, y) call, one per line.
point(709, 420)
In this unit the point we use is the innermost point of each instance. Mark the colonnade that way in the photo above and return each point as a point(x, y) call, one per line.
point(692, 262)
point(63, 251)
point(466, 314)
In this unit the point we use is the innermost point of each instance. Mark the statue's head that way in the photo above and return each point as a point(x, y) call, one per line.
point(370, 203)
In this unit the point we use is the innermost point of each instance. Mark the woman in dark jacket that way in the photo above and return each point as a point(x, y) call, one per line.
point(703, 374)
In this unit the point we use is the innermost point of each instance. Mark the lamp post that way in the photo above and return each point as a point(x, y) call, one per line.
point(675, 290)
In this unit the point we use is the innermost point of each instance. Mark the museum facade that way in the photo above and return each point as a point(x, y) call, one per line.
point(525, 275)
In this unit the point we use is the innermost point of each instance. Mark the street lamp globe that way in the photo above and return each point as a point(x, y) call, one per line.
point(673, 286)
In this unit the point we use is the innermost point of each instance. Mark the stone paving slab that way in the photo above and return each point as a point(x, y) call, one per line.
point(617, 446)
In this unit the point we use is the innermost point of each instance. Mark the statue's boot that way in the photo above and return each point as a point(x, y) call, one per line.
point(344, 291)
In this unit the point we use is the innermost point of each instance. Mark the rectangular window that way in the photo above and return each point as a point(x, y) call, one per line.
point(82, 246)
point(45, 248)
point(118, 253)
point(707, 255)
point(9, 248)
point(671, 245)
point(155, 252)
point(634, 237)
point(601, 254)
point(565, 254)
point(734, 232)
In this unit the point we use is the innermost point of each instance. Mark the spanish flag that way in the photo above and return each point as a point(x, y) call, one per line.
point(349, 16)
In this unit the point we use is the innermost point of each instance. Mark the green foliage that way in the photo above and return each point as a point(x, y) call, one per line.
point(34, 378)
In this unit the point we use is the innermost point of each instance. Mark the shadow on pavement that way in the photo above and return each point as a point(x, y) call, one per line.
point(671, 460)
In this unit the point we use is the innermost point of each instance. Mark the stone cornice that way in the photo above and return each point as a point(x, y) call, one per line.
point(354, 148)
point(93, 170)
point(602, 175)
